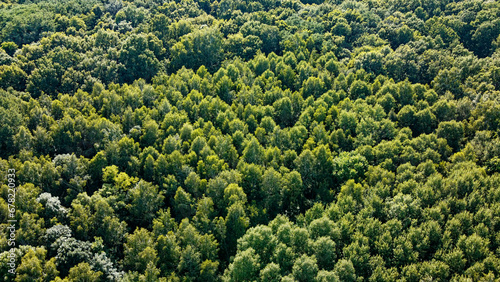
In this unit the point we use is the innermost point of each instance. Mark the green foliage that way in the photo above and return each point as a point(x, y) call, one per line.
point(34, 266)
point(244, 267)
point(251, 140)
point(83, 272)
point(139, 250)
point(12, 76)
point(145, 201)
point(200, 48)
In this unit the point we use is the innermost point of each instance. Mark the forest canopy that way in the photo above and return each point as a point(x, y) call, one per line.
point(269, 140)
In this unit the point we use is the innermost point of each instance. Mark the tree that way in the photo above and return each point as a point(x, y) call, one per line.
point(448, 80)
point(305, 164)
point(406, 116)
point(359, 89)
point(245, 267)
point(371, 62)
point(141, 56)
point(474, 247)
point(324, 251)
point(150, 133)
point(327, 276)
point(139, 250)
point(203, 47)
point(34, 266)
point(313, 86)
point(269, 35)
point(83, 272)
point(452, 131)
point(71, 252)
point(253, 152)
point(244, 47)
point(236, 225)
point(284, 112)
point(426, 122)
point(305, 268)
point(347, 122)
point(444, 110)
point(169, 253)
point(183, 204)
point(189, 264)
point(10, 114)
point(208, 271)
point(348, 166)
point(271, 272)
point(483, 37)
point(271, 192)
point(345, 270)
point(12, 76)
point(145, 201)
point(53, 207)
point(234, 194)
point(261, 240)
point(293, 193)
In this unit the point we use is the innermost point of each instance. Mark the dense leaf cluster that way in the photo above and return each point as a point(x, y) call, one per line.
point(266, 140)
